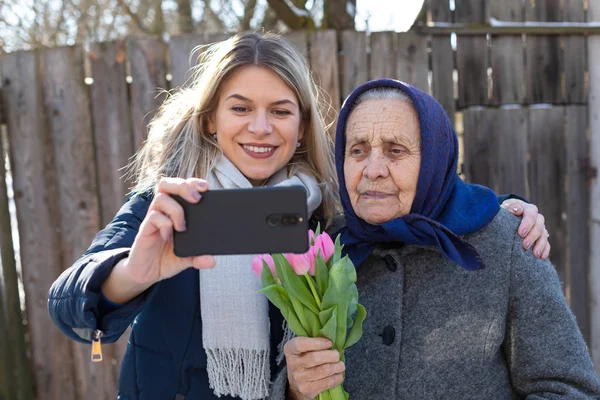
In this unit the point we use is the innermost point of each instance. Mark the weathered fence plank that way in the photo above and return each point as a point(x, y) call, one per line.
point(184, 51)
point(412, 60)
point(593, 56)
point(299, 41)
point(148, 59)
point(442, 60)
point(578, 216)
point(543, 55)
point(111, 126)
point(478, 152)
point(496, 148)
point(383, 59)
point(472, 55)
point(324, 63)
point(508, 56)
point(509, 141)
point(353, 61)
point(574, 55)
point(547, 173)
point(181, 58)
point(8, 379)
point(35, 188)
point(68, 110)
point(113, 142)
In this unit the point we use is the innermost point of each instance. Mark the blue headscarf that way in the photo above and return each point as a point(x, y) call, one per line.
point(444, 206)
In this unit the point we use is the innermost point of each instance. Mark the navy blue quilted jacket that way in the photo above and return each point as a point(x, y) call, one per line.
point(164, 359)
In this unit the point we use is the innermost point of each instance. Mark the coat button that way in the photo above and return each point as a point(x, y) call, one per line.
point(388, 335)
point(390, 262)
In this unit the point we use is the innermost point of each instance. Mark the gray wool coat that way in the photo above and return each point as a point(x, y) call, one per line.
point(436, 331)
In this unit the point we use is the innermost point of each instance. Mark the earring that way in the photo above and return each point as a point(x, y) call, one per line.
point(298, 145)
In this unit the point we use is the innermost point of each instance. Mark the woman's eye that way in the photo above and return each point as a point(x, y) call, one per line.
point(239, 109)
point(398, 151)
point(281, 113)
point(356, 152)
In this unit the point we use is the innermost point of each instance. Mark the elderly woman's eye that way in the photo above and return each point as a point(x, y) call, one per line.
point(399, 151)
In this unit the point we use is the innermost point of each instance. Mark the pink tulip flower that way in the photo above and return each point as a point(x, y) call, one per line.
point(326, 245)
point(257, 264)
point(300, 263)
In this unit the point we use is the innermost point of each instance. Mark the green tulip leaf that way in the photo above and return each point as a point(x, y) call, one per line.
point(321, 273)
point(266, 276)
point(330, 328)
point(357, 330)
point(325, 315)
point(313, 325)
point(276, 295)
point(337, 252)
point(352, 306)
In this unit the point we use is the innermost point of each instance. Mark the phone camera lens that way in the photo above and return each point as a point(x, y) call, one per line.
point(274, 220)
point(290, 220)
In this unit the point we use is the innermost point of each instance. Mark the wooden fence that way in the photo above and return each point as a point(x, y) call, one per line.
point(521, 102)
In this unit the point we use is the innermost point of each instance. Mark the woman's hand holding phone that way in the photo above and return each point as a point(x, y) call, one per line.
point(151, 258)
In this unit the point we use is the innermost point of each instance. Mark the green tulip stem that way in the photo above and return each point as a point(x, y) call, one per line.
point(313, 289)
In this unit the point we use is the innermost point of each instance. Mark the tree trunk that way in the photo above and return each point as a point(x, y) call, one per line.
point(338, 14)
point(185, 23)
point(248, 14)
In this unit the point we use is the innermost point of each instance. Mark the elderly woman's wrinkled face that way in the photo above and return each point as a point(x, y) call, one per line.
point(383, 158)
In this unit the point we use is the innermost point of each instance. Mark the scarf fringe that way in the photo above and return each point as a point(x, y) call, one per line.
point(287, 336)
point(239, 372)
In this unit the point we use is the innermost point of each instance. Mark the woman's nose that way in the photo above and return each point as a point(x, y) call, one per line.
point(260, 124)
point(377, 167)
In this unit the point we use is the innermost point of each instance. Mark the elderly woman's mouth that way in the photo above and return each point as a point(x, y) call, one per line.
point(373, 194)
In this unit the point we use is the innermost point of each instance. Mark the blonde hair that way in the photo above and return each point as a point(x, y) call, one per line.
point(180, 145)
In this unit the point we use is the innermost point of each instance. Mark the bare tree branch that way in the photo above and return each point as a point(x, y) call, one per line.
point(249, 9)
point(212, 16)
point(293, 16)
point(158, 20)
point(185, 23)
point(338, 14)
point(134, 17)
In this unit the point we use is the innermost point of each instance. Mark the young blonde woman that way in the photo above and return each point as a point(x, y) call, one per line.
point(250, 117)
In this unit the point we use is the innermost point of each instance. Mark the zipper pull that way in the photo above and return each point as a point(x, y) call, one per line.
point(97, 346)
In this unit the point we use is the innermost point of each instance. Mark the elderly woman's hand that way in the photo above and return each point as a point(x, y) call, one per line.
point(312, 367)
point(532, 228)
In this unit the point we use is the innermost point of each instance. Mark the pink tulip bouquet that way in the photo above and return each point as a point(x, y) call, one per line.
point(316, 294)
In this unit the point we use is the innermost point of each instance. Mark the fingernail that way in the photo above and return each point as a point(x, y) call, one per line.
point(515, 209)
point(196, 195)
point(182, 226)
point(201, 185)
point(524, 232)
point(527, 245)
point(539, 253)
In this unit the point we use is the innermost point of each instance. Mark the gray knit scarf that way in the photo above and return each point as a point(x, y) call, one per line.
point(235, 317)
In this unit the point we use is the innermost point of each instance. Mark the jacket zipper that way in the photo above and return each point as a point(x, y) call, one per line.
point(97, 346)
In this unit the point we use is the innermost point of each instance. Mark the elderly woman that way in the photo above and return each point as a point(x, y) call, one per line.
point(457, 309)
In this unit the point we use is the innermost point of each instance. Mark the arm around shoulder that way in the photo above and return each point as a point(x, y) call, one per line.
point(545, 351)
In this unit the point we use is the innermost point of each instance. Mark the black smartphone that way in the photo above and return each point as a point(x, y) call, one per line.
point(244, 221)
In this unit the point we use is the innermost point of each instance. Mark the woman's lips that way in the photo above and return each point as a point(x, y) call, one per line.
point(259, 151)
point(372, 194)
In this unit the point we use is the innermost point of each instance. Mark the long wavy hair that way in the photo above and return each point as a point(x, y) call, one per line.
point(180, 145)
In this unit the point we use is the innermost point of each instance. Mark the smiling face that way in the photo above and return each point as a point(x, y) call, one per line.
point(257, 122)
point(382, 160)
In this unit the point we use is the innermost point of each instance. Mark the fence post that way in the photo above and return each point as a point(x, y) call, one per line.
point(594, 115)
point(18, 374)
